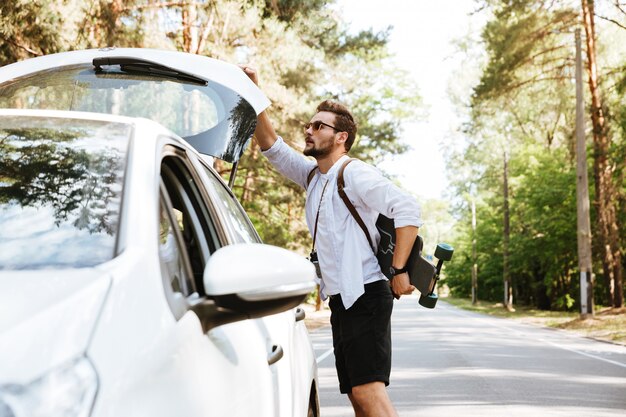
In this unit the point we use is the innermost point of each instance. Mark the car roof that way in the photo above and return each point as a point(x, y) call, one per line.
point(221, 72)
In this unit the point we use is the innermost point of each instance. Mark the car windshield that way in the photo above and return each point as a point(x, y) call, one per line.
point(60, 191)
point(212, 118)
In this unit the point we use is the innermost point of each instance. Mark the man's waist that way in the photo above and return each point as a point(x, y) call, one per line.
point(369, 287)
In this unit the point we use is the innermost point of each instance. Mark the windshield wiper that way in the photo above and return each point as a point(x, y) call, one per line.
point(142, 66)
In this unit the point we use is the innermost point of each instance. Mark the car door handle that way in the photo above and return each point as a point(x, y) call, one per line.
point(300, 314)
point(275, 355)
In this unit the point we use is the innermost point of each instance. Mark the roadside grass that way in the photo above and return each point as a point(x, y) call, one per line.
point(607, 324)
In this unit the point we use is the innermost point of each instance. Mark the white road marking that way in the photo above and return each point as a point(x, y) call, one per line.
point(324, 355)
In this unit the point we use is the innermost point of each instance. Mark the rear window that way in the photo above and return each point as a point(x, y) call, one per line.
point(212, 118)
point(61, 185)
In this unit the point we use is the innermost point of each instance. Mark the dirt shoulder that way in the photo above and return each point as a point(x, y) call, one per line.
point(316, 319)
point(607, 324)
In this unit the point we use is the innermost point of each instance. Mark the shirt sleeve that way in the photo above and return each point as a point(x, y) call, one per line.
point(371, 189)
point(289, 162)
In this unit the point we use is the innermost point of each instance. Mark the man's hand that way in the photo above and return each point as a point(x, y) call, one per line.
point(264, 134)
point(400, 285)
point(251, 73)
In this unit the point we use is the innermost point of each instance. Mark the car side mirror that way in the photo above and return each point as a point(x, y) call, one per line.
point(252, 280)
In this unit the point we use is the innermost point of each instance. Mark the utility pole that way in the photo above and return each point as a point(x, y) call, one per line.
point(475, 266)
point(582, 195)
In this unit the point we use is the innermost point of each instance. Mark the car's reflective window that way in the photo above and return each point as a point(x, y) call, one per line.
point(190, 216)
point(175, 269)
point(60, 191)
point(212, 118)
point(237, 221)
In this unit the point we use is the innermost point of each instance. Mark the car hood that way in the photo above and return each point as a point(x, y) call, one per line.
point(46, 318)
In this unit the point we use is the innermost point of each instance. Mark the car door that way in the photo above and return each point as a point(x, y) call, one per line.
point(230, 362)
point(285, 331)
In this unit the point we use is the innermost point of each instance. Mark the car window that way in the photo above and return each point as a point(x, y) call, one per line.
point(238, 223)
point(190, 215)
point(174, 263)
point(212, 118)
point(61, 183)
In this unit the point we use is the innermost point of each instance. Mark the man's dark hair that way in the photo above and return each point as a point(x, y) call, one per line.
point(344, 121)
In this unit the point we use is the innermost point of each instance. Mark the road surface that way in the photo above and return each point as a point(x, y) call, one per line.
point(451, 362)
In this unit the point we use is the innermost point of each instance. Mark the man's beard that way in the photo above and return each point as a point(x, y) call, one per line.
point(324, 150)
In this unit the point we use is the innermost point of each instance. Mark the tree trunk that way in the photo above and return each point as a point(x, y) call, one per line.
point(249, 183)
point(218, 165)
point(190, 29)
point(318, 299)
point(111, 13)
point(508, 288)
point(474, 266)
point(606, 194)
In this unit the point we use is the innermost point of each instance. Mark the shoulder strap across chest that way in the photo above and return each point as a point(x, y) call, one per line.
point(310, 176)
point(340, 189)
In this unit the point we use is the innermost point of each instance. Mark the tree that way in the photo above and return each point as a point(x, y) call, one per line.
point(29, 29)
point(606, 195)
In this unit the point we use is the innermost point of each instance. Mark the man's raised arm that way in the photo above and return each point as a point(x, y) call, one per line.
point(264, 134)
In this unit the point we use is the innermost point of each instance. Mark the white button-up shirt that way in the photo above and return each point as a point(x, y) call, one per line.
point(346, 259)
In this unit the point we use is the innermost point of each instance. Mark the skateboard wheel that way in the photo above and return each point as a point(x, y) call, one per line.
point(444, 252)
point(428, 301)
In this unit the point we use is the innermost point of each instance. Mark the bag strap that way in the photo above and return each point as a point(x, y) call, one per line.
point(348, 203)
point(309, 177)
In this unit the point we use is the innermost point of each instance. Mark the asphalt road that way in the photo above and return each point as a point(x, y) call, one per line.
point(450, 362)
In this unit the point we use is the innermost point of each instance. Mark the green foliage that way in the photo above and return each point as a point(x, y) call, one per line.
point(543, 249)
point(29, 28)
point(288, 10)
point(543, 235)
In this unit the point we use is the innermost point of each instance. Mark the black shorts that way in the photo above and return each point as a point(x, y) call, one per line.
point(362, 337)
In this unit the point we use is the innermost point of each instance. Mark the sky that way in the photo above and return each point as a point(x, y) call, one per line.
point(422, 42)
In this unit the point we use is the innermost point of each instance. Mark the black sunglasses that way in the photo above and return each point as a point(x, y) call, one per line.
point(317, 125)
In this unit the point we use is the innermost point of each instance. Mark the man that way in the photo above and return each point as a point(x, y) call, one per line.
point(361, 299)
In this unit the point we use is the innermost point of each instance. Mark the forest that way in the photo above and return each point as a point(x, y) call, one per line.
point(511, 165)
point(517, 165)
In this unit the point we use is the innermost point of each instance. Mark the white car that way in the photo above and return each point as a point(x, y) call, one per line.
point(132, 283)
